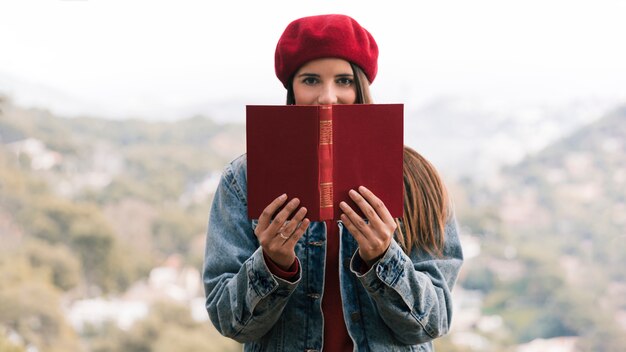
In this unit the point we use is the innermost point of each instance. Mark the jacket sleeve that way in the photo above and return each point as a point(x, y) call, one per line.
point(412, 294)
point(243, 299)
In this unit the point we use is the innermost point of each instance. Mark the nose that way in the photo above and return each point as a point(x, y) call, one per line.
point(327, 95)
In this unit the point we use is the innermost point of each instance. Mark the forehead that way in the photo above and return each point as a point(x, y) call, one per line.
point(326, 65)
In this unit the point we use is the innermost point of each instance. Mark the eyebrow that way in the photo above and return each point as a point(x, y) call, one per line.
point(316, 75)
point(308, 74)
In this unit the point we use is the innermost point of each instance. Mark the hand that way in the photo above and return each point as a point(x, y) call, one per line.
point(278, 237)
point(373, 238)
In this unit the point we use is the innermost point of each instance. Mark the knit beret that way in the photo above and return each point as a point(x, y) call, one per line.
point(316, 37)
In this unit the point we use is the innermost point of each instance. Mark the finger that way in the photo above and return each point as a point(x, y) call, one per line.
point(266, 215)
point(354, 220)
point(366, 208)
point(299, 231)
point(358, 236)
point(282, 216)
point(291, 225)
point(368, 247)
point(377, 204)
point(383, 223)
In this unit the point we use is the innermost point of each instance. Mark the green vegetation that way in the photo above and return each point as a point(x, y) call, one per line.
point(123, 196)
point(30, 306)
point(169, 327)
point(555, 246)
point(66, 237)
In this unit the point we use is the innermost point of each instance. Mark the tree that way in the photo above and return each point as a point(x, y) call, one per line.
point(33, 310)
point(63, 266)
point(8, 346)
point(168, 327)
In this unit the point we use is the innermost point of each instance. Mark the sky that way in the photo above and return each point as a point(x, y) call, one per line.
point(162, 59)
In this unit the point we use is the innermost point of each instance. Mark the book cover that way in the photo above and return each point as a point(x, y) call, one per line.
point(317, 153)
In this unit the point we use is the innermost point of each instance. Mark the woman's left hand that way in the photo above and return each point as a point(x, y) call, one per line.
point(373, 238)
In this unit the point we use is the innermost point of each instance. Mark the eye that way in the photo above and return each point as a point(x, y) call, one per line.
point(310, 80)
point(345, 81)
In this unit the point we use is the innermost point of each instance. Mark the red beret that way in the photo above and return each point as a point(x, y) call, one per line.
point(316, 37)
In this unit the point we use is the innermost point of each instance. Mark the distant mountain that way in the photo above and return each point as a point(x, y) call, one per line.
point(579, 182)
point(551, 229)
point(32, 94)
point(192, 148)
point(464, 137)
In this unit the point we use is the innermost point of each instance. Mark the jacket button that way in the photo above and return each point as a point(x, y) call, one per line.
point(355, 317)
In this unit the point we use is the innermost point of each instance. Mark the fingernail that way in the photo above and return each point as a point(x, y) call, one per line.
point(283, 196)
point(362, 188)
point(352, 192)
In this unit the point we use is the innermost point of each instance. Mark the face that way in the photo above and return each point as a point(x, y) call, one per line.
point(324, 81)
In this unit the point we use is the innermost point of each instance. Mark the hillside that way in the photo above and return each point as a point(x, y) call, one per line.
point(97, 212)
point(92, 213)
point(553, 241)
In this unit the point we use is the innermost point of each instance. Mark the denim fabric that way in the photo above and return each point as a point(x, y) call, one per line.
point(401, 304)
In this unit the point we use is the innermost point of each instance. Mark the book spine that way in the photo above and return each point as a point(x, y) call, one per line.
point(325, 153)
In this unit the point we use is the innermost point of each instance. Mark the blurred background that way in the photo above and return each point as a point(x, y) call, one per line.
point(117, 117)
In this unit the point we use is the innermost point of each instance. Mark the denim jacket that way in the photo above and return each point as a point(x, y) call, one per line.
point(401, 304)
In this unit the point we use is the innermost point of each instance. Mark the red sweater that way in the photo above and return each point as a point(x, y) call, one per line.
point(336, 338)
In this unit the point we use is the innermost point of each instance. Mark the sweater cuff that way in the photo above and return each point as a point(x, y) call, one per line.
point(289, 274)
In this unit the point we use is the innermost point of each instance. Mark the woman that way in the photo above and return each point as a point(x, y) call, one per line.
point(380, 285)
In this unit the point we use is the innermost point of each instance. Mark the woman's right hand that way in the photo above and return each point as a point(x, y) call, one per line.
point(278, 237)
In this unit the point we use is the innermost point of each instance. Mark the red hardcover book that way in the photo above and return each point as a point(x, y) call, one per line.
point(317, 153)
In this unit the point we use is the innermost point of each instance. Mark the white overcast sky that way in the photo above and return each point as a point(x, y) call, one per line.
point(147, 54)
